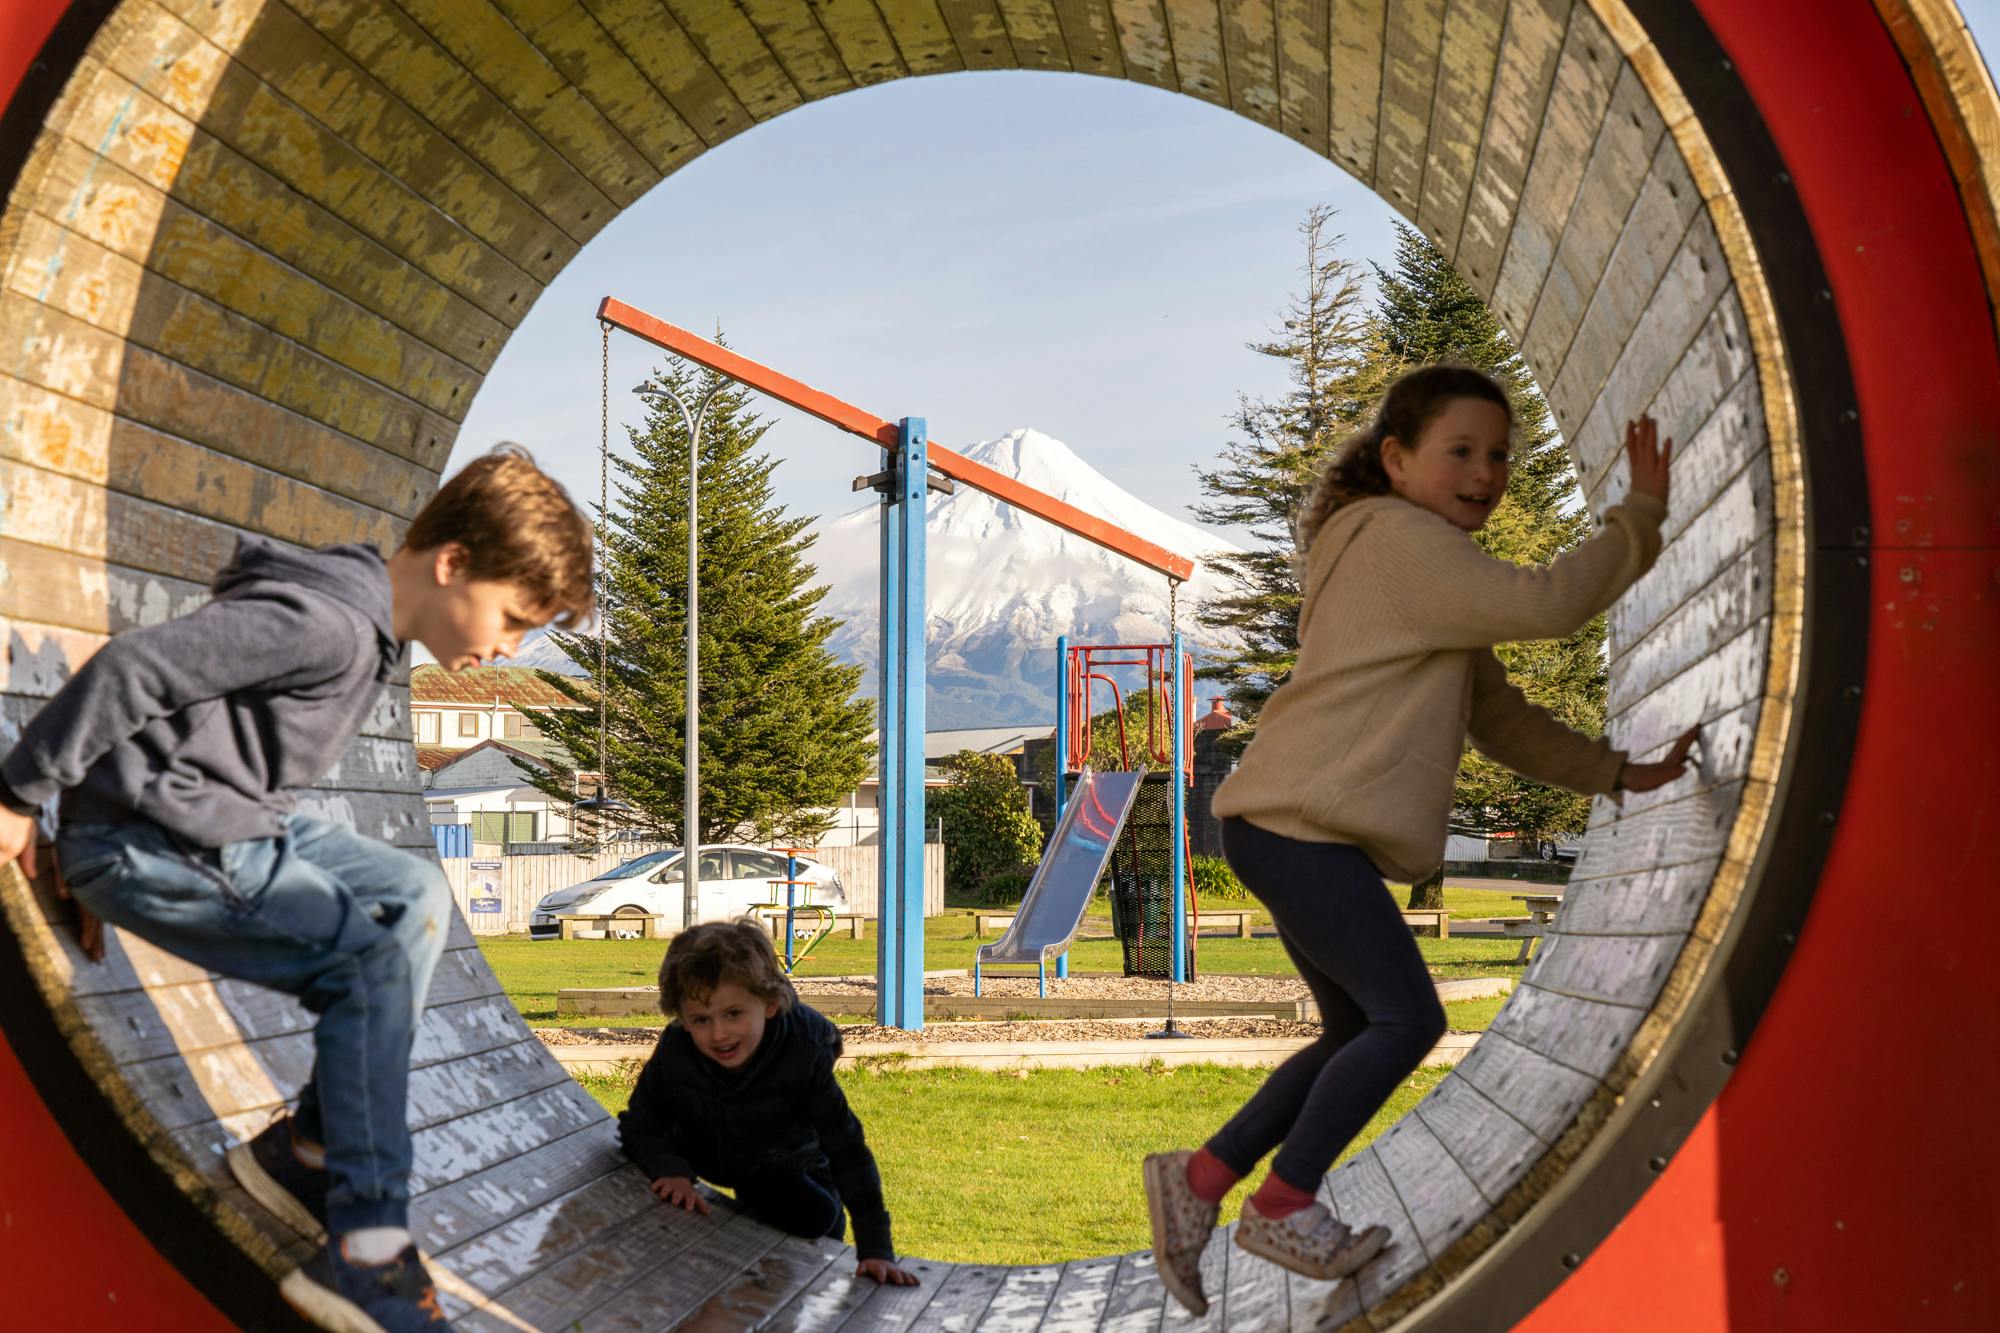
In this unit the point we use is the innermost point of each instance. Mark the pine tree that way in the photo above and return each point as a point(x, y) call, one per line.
point(1335, 359)
point(1429, 313)
point(782, 738)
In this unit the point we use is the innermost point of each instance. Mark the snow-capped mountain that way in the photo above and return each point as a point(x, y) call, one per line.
point(1004, 584)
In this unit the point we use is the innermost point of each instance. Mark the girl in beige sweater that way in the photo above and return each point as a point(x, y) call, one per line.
point(1351, 774)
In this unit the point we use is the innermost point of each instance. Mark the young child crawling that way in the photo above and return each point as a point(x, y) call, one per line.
point(740, 1092)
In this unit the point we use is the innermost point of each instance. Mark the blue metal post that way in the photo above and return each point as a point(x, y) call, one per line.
point(888, 921)
point(791, 901)
point(1062, 751)
point(1178, 778)
point(903, 955)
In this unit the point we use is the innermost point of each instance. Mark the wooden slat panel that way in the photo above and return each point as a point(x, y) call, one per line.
point(83, 592)
point(398, 819)
point(1693, 829)
point(579, 48)
point(654, 40)
point(455, 1149)
point(1250, 45)
point(283, 143)
point(1411, 48)
point(1145, 39)
point(1036, 33)
point(410, 63)
point(1022, 1297)
point(1489, 1146)
point(1466, 61)
point(1716, 613)
point(1077, 1306)
point(1577, 105)
point(1443, 1202)
point(556, 1232)
point(736, 52)
point(922, 35)
point(1196, 26)
point(479, 37)
point(1666, 899)
point(1091, 35)
point(1626, 143)
point(981, 34)
point(1134, 1303)
point(462, 1211)
point(796, 39)
point(1356, 98)
point(825, 1303)
point(1729, 678)
point(889, 1307)
point(1728, 525)
point(1537, 1092)
point(859, 34)
point(1362, 1197)
point(1679, 307)
point(1256, 1296)
point(1611, 969)
point(1581, 1032)
point(1530, 48)
point(1305, 40)
point(767, 1286)
point(1710, 406)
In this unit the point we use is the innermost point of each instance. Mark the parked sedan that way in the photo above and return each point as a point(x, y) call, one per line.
point(733, 878)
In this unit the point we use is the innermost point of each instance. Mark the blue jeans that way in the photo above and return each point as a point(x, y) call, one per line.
point(351, 926)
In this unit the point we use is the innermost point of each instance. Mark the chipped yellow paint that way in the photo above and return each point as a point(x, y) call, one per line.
point(1357, 84)
point(862, 40)
point(1196, 27)
point(1036, 34)
point(1466, 63)
point(1144, 40)
point(1304, 34)
point(1250, 40)
point(923, 38)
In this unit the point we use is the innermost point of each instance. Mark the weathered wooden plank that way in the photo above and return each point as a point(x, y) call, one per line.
point(1363, 1197)
point(395, 818)
point(1666, 900)
point(1036, 33)
point(1716, 613)
point(1710, 407)
point(1250, 48)
point(922, 36)
point(825, 1303)
point(1578, 101)
point(1305, 38)
point(1729, 525)
point(738, 55)
point(1630, 373)
point(766, 1286)
point(1136, 1299)
point(552, 1233)
point(1144, 38)
point(1023, 1295)
point(654, 41)
point(1540, 1094)
point(1196, 26)
point(1725, 680)
point(84, 592)
point(1441, 1198)
point(453, 1149)
point(1612, 180)
point(1489, 1146)
point(1412, 45)
point(980, 33)
point(163, 144)
point(862, 39)
point(570, 38)
point(962, 1297)
point(66, 515)
point(1695, 828)
point(796, 39)
point(516, 71)
point(1091, 36)
point(1467, 57)
point(890, 1307)
point(1610, 969)
point(1580, 1032)
point(1356, 96)
point(1077, 1304)
point(1256, 1297)
point(1530, 49)
point(462, 1211)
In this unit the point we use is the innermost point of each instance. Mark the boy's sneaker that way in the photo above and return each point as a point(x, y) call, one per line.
point(1182, 1223)
point(343, 1297)
point(1309, 1242)
point(274, 1176)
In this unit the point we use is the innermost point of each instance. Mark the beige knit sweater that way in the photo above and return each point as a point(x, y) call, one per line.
point(1396, 669)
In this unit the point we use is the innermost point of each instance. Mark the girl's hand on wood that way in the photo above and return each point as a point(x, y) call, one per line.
point(17, 840)
point(1645, 777)
point(885, 1272)
point(1649, 458)
point(681, 1193)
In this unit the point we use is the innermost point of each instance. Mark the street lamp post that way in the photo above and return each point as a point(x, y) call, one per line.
point(695, 420)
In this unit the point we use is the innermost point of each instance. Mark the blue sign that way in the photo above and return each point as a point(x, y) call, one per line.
point(486, 905)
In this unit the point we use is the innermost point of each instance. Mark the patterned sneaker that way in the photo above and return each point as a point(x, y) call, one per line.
point(344, 1297)
point(1309, 1242)
point(274, 1176)
point(1182, 1224)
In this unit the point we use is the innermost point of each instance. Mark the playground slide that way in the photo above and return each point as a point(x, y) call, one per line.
point(1072, 864)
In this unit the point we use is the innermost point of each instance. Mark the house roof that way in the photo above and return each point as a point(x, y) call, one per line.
point(985, 740)
point(534, 750)
point(435, 756)
point(478, 687)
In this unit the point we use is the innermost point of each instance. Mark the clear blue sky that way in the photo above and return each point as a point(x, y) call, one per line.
point(1085, 256)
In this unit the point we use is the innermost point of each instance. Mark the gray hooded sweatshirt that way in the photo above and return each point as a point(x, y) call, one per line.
point(207, 724)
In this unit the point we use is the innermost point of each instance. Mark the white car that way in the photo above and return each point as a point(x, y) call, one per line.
point(734, 878)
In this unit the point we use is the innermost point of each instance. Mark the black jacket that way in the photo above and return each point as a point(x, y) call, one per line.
point(782, 1111)
point(208, 723)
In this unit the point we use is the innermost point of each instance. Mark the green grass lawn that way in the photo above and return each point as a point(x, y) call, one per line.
point(1041, 1166)
point(532, 972)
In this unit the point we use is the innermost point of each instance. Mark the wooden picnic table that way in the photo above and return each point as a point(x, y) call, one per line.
point(1541, 911)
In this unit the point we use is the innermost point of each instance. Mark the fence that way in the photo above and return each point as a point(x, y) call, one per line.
point(519, 882)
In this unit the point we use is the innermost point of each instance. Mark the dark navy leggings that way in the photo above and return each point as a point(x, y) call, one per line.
point(1379, 1011)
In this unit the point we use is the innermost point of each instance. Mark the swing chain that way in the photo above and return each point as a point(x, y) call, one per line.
point(603, 575)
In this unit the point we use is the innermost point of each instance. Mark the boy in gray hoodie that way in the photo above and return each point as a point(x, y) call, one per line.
point(175, 753)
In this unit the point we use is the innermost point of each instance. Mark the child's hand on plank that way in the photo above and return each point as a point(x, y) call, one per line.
point(17, 840)
point(681, 1193)
point(1645, 777)
point(1649, 457)
point(886, 1273)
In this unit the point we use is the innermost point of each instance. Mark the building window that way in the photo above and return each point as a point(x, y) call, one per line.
point(504, 826)
point(511, 725)
point(427, 728)
point(468, 724)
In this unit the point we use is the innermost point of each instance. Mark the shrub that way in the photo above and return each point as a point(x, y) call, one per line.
point(1002, 888)
point(1215, 880)
point(987, 827)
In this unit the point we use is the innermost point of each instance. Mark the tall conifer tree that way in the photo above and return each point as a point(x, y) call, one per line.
point(781, 734)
